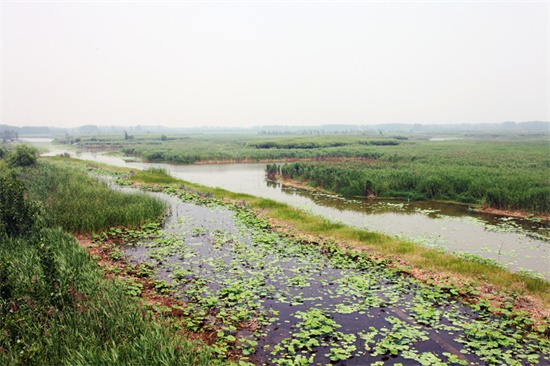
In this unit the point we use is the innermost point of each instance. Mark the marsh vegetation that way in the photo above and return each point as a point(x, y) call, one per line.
point(279, 300)
point(502, 171)
point(508, 175)
point(312, 291)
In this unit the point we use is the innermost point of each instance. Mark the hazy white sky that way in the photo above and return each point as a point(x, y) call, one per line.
point(185, 64)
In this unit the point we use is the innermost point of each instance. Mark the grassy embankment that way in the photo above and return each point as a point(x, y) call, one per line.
point(57, 306)
point(427, 264)
point(414, 259)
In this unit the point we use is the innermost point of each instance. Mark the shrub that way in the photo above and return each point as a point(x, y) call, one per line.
point(23, 155)
point(17, 215)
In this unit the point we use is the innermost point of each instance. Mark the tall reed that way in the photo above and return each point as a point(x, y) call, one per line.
point(80, 203)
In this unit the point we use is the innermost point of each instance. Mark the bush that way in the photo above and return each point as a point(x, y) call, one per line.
point(23, 155)
point(17, 215)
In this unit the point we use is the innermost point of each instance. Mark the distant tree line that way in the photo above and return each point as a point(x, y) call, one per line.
point(9, 135)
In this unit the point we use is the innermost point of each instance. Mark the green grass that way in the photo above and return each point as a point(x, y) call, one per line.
point(58, 309)
point(80, 203)
point(153, 175)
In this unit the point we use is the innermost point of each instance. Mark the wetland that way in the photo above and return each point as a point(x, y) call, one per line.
point(282, 301)
point(260, 296)
point(521, 244)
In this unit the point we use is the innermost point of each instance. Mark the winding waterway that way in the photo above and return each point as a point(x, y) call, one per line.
point(518, 244)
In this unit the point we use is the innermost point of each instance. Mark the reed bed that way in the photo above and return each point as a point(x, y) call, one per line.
point(80, 203)
point(508, 175)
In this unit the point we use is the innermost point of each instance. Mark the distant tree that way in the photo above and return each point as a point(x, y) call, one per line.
point(164, 138)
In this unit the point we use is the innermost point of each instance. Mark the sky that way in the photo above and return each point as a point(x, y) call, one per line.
point(255, 63)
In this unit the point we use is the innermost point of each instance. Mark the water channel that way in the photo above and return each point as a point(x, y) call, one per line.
point(267, 288)
point(519, 244)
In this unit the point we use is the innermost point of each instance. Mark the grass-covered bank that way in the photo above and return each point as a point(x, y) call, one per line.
point(424, 263)
point(57, 306)
point(79, 203)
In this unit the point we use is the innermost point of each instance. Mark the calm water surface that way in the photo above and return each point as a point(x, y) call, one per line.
point(516, 243)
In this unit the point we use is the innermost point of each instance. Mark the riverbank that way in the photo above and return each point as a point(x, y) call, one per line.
point(520, 214)
point(477, 208)
point(153, 295)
